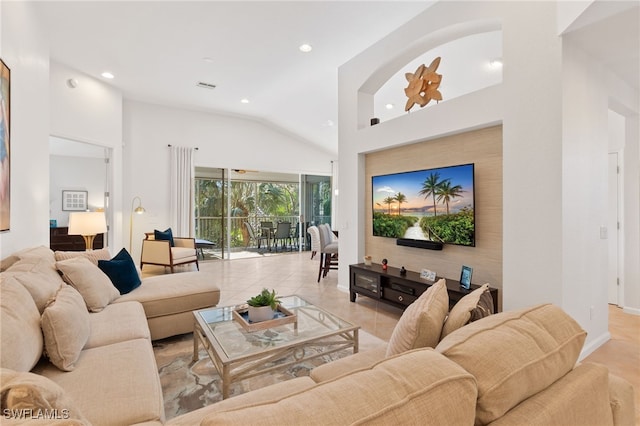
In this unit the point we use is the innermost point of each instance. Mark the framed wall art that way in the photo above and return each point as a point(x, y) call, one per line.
point(74, 201)
point(5, 146)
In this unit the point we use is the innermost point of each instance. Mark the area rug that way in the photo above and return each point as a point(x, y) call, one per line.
point(187, 386)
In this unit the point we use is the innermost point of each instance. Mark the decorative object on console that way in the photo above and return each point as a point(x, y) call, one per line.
point(428, 275)
point(74, 200)
point(138, 210)
point(367, 260)
point(465, 277)
point(384, 264)
point(423, 85)
point(403, 271)
point(87, 224)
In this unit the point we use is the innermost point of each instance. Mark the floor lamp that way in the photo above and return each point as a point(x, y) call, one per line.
point(137, 210)
point(87, 224)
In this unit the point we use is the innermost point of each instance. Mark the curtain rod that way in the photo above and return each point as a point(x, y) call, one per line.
point(196, 148)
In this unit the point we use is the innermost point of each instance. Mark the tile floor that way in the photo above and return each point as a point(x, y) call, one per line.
point(296, 273)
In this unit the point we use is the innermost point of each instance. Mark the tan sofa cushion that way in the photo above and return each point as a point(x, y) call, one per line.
point(581, 397)
point(117, 322)
point(170, 294)
point(92, 255)
point(113, 385)
point(65, 325)
point(361, 361)
point(388, 393)
point(39, 277)
point(96, 288)
point(461, 312)
point(269, 394)
point(21, 338)
point(513, 355)
point(421, 323)
point(27, 391)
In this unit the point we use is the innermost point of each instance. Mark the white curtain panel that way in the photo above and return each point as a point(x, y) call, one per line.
point(181, 191)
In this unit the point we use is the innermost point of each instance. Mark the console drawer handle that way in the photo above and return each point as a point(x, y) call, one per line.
point(400, 298)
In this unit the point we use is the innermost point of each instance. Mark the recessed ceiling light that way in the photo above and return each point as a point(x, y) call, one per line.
point(389, 106)
point(305, 48)
point(496, 63)
point(244, 100)
point(208, 59)
point(107, 74)
point(328, 123)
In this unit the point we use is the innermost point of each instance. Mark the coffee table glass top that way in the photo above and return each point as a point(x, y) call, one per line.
point(313, 322)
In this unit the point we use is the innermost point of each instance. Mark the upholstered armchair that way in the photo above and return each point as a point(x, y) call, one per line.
point(160, 252)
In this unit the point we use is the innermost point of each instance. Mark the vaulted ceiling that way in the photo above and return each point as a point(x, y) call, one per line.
point(158, 51)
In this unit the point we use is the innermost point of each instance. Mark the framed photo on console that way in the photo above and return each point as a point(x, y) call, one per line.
point(465, 277)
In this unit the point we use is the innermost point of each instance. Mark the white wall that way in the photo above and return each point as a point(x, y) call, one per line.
point(222, 141)
point(585, 147)
point(24, 49)
point(91, 113)
point(542, 261)
point(76, 174)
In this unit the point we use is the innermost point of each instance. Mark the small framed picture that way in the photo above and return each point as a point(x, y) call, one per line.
point(428, 275)
point(465, 277)
point(74, 200)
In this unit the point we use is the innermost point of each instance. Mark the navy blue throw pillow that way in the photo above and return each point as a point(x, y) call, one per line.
point(121, 271)
point(164, 235)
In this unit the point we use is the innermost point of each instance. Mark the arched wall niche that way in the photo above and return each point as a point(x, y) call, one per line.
point(386, 84)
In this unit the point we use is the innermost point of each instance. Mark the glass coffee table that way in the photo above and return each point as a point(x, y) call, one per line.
point(238, 354)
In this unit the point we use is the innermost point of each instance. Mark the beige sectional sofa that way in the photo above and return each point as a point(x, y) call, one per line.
point(512, 368)
point(99, 367)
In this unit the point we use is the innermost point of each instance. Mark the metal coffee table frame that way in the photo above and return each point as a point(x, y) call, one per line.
point(332, 334)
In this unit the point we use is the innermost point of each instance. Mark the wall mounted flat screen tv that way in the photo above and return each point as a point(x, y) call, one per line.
point(432, 204)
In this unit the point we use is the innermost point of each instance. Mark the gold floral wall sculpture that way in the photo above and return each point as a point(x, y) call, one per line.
point(423, 85)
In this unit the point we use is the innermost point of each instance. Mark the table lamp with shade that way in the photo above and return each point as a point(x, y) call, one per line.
point(87, 224)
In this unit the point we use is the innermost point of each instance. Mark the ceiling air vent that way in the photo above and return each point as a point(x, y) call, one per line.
point(206, 85)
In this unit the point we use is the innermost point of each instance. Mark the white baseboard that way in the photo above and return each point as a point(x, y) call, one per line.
point(632, 311)
point(593, 345)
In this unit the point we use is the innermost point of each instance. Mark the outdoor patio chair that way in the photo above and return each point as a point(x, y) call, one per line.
point(257, 238)
point(283, 233)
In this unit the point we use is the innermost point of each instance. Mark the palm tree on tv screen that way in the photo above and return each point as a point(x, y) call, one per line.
point(446, 192)
point(430, 187)
point(388, 201)
point(400, 198)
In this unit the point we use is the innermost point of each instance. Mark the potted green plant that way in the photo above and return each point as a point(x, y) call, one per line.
point(263, 306)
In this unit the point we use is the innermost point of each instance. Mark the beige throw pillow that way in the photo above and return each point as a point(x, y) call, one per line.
point(21, 337)
point(92, 255)
point(39, 277)
point(65, 325)
point(461, 312)
point(23, 391)
point(94, 285)
point(421, 323)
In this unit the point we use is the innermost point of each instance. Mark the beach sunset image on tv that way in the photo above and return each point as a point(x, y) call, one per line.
point(433, 204)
